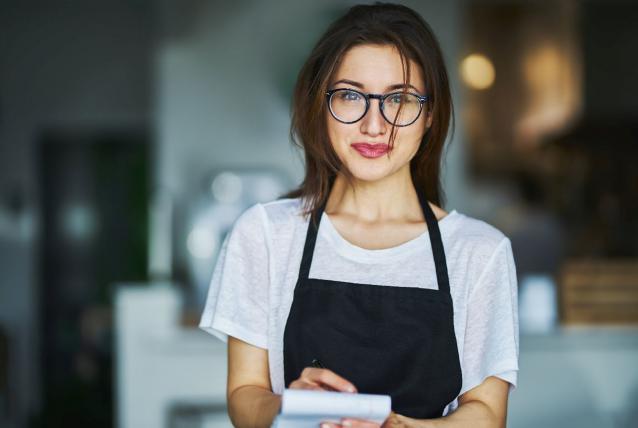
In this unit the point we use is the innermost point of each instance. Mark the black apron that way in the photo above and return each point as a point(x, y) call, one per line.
point(392, 340)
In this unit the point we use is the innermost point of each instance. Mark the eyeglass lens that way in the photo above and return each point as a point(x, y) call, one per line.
point(350, 106)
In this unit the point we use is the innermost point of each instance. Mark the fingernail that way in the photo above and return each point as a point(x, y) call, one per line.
point(351, 389)
point(325, 426)
point(346, 423)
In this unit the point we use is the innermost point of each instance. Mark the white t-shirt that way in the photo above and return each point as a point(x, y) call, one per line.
point(252, 285)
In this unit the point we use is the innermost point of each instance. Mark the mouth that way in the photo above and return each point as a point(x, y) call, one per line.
point(370, 150)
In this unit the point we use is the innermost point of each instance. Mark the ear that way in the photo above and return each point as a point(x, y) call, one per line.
point(428, 121)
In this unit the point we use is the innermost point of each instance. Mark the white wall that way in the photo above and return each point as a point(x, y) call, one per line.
point(63, 65)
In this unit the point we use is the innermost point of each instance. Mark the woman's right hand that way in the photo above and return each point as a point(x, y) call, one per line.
point(321, 379)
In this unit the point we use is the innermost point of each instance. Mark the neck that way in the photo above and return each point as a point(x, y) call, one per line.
point(392, 198)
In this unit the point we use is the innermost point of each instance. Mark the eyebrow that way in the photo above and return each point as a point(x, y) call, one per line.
point(389, 88)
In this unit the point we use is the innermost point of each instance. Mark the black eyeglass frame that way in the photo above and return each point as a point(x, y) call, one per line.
point(381, 98)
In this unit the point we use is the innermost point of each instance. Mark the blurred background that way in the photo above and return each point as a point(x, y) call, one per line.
point(133, 133)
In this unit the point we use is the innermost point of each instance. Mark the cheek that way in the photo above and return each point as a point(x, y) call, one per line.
point(410, 136)
point(418, 128)
point(340, 134)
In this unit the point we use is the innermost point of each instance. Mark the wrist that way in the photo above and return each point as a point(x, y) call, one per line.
point(406, 422)
point(253, 406)
point(271, 408)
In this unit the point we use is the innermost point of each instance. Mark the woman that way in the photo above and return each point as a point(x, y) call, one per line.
point(360, 267)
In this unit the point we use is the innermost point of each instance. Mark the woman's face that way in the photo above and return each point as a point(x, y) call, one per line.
point(375, 69)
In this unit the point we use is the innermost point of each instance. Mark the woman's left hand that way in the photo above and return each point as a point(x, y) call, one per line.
point(351, 423)
point(391, 422)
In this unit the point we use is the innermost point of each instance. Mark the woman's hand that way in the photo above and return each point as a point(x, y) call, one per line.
point(327, 380)
point(392, 421)
point(321, 379)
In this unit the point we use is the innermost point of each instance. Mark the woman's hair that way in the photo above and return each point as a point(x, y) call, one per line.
point(378, 24)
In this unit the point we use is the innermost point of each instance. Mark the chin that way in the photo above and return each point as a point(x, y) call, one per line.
point(370, 172)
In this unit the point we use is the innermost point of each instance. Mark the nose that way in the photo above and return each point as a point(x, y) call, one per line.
point(373, 122)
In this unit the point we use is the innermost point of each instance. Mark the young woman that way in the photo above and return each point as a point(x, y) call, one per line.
point(360, 267)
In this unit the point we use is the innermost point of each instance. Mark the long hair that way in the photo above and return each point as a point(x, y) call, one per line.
point(378, 24)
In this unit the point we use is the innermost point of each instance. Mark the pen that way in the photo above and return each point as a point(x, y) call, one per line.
point(316, 363)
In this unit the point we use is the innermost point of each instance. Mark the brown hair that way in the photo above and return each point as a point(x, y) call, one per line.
point(380, 24)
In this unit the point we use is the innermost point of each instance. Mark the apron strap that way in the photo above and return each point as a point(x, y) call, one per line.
point(309, 246)
point(435, 241)
point(437, 244)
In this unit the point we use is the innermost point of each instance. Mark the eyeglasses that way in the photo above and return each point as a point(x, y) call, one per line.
point(397, 108)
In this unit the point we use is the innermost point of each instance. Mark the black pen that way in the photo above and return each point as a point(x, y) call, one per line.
point(317, 364)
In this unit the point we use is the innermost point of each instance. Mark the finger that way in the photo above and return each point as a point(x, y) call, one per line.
point(329, 378)
point(300, 384)
point(358, 423)
point(329, 425)
point(390, 421)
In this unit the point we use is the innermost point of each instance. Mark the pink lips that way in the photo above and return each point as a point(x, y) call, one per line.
point(370, 150)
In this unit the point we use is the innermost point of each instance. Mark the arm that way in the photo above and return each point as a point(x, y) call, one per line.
point(483, 406)
point(251, 402)
point(491, 345)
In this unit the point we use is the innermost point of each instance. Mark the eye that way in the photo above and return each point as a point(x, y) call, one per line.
point(400, 98)
point(349, 96)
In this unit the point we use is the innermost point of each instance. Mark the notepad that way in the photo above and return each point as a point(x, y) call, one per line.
point(301, 408)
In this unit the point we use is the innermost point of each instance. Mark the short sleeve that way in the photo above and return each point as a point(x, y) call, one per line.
point(237, 300)
point(491, 344)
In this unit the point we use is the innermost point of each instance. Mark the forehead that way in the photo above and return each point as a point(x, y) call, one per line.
point(377, 67)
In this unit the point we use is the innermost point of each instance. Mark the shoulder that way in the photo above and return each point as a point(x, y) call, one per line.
point(265, 216)
point(483, 253)
point(474, 236)
point(475, 229)
point(282, 211)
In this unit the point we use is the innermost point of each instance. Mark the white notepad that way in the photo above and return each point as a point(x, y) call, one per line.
point(301, 408)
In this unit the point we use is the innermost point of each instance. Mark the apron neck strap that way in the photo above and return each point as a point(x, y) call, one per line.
point(434, 234)
point(437, 244)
